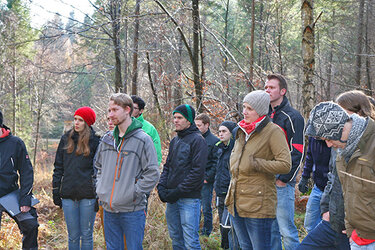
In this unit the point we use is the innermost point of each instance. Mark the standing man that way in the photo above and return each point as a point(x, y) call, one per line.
point(182, 180)
point(127, 170)
point(291, 121)
point(139, 105)
point(203, 124)
point(14, 162)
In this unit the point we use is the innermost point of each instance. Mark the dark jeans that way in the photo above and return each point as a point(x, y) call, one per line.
point(28, 225)
point(223, 232)
point(324, 237)
point(206, 208)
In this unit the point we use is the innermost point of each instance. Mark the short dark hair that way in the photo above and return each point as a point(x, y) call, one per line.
point(280, 78)
point(204, 118)
point(138, 100)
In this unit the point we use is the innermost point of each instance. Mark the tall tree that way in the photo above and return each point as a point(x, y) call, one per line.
point(135, 47)
point(308, 46)
point(360, 25)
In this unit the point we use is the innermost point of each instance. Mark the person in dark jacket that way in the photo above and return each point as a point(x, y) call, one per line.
point(222, 178)
point(291, 121)
point(73, 179)
point(329, 233)
point(15, 163)
point(182, 179)
point(202, 121)
point(317, 163)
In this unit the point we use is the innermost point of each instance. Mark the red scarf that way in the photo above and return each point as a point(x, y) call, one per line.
point(249, 127)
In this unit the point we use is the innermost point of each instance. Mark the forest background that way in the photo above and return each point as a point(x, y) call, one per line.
point(207, 53)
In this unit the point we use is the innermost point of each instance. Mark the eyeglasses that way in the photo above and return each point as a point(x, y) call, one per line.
point(324, 139)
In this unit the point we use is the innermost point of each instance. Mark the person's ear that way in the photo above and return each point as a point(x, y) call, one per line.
point(283, 91)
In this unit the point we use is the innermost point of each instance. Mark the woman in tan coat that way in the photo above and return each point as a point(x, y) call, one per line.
point(260, 152)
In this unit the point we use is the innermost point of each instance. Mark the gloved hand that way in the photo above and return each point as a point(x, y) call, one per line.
point(173, 195)
point(162, 192)
point(302, 185)
point(56, 197)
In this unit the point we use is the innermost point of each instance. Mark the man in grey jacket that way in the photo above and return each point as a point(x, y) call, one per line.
point(127, 167)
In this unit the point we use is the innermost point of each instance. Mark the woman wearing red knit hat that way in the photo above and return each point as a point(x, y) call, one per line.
point(73, 184)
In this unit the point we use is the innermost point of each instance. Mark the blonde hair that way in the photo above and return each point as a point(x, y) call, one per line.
point(122, 100)
point(83, 142)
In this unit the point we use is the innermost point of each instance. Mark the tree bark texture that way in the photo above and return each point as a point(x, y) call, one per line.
point(359, 43)
point(135, 47)
point(197, 81)
point(115, 10)
point(252, 38)
point(308, 47)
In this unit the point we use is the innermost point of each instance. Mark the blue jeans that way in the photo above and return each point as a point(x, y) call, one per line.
point(130, 224)
point(183, 223)
point(79, 217)
point(206, 207)
point(355, 246)
point(324, 237)
point(312, 216)
point(252, 233)
point(284, 226)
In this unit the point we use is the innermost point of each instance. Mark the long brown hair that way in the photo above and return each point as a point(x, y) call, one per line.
point(356, 101)
point(83, 142)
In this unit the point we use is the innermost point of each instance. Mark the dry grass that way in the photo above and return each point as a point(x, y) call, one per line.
point(52, 230)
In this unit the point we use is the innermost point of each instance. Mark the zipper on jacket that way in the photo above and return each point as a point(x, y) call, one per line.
point(117, 170)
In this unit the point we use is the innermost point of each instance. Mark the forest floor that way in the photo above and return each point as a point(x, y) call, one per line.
point(52, 229)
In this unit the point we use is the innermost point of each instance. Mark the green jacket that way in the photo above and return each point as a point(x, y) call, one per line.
point(151, 131)
point(358, 184)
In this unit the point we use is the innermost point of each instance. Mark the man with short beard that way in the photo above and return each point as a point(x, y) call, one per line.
point(127, 170)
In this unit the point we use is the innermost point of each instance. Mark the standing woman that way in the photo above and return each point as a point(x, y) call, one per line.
point(73, 184)
point(260, 152)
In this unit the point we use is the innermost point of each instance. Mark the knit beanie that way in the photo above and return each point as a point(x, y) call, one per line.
point(1, 119)
point(229, 124)
point(87, 114)
point(187, 111)
point(259, 100)
point(327, 120)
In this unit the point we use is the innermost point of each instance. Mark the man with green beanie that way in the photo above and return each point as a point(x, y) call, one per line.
point(181, 182)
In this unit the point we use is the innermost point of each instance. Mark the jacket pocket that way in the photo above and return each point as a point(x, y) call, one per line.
point(249, 198)
point(367, 174)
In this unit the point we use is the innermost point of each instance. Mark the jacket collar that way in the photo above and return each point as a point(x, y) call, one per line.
point(190, 130)
point(283, 104)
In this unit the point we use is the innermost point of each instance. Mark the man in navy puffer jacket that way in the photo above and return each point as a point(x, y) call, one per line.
point(181, 182)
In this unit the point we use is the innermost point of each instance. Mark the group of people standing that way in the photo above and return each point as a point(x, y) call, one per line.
point(252, 167)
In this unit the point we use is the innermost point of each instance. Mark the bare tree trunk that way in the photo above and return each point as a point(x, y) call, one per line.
point(135, 45)
point(14, 90)
point(308, 90)
point(177, 91)
point(155, 94)
point(225, 59)
point(279, 37)
point(197, 81)
point(359, 43)
point(367, 49)
point(115, 10)
point(126, 66)
point(251, 75)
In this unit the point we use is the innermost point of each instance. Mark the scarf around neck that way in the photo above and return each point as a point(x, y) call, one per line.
point(250, 127)
point(359, 125)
